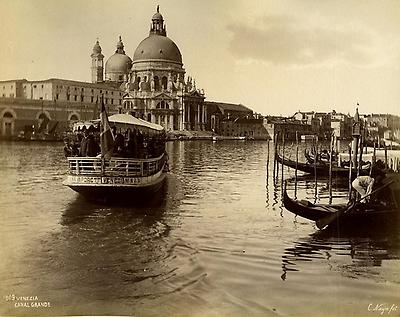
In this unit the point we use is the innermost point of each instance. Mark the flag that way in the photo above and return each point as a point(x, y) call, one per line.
point(106, 135)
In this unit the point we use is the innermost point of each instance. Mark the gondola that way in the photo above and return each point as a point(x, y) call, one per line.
point(321, 169)
point(379, 212)
point(322, 158)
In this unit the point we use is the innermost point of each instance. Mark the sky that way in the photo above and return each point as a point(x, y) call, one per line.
point(275, 57)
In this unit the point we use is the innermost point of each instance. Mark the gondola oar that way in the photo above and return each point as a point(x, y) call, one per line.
point(326, 221)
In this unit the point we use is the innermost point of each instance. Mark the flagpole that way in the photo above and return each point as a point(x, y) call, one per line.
point(101, 138)
point(106, 135)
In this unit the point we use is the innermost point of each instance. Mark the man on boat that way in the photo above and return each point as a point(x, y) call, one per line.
point(364, 184)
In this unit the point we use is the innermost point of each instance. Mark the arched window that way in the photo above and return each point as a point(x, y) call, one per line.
point(162, 104)
point(8, 115)
point(156, 83)
point(74, 117)
point(164, 82)
point(149, 117)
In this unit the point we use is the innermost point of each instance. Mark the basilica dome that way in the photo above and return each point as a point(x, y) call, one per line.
point(118, 63)
point(157, 47)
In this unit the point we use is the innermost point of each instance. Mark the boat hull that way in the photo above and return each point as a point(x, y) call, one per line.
point(119, 189)
point(366, 215)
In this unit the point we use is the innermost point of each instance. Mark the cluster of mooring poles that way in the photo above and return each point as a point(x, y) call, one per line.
point(355, 154)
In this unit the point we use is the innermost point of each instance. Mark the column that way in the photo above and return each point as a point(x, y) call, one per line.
point(198, 118)
point(204, 117)
point(171, 122)
point(188, 123)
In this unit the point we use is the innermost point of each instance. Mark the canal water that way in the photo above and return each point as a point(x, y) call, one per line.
point(215, 242)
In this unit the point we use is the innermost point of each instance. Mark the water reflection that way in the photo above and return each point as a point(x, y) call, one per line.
point(352, 254)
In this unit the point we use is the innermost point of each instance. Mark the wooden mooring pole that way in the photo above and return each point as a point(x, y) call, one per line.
point(315, 166)
point(330, 167)
point(267, 159)
point(350, 170)
point(373, 160)
point(283, 158)
point(297, 160)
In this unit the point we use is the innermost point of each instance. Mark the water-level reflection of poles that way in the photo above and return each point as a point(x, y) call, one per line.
point(297, 160)
point(330, 168)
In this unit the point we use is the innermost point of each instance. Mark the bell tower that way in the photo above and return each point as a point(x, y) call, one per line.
point(97, 64)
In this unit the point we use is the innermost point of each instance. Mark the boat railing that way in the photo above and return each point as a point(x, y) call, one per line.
point(128, 167)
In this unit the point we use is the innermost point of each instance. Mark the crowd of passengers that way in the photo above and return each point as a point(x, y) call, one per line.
point(132, 143)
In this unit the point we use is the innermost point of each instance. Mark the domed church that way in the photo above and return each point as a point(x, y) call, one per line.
point(154, 81)
point(157, 90)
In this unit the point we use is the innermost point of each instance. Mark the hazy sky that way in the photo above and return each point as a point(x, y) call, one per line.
point(274, 56)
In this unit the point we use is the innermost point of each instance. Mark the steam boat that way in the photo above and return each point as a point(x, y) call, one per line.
point(130, 161)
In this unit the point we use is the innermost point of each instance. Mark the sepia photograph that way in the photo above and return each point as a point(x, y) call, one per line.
point(206, 158)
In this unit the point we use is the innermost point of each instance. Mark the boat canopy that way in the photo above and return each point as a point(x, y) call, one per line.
point(79, 125)
point(122, 121)
point(126, 120)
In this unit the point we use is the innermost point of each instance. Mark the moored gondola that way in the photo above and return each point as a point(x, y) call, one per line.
point(379, 211)
point(320, 169)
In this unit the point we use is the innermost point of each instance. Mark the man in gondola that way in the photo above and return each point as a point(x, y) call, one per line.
point(365, 184)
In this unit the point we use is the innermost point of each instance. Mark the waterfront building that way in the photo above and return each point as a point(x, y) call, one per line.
point(223, 114)
point(286, 126)
point(320, 122)
point(341, 124)
point(383, 125)
point(53, 101)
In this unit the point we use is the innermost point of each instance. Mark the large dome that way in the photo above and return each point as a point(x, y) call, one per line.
point(118, 63)
point(157, 47)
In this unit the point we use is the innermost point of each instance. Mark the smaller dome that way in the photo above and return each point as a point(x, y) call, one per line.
point(118, 63)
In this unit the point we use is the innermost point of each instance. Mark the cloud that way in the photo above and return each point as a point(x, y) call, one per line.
point(284, 40)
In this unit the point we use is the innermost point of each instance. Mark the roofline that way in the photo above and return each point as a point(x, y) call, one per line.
point(94, 85)
point(217, 103)
point(13, 80)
